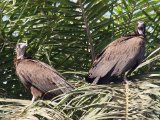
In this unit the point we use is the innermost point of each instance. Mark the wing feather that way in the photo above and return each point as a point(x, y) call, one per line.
point(119, 56)
point(42, 76)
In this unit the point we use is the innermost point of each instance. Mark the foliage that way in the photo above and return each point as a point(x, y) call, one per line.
point(68, 34)
point(99, 103)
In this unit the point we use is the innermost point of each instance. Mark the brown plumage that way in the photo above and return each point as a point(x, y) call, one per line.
point(118, 57)
point(42, 80)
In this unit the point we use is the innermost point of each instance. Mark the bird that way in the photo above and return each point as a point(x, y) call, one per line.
point(42, 80)
point(119, 58)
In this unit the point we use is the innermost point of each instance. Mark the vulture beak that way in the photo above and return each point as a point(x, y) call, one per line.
point(141, 28)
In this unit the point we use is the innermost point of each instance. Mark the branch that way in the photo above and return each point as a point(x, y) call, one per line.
point(15, 101)
point(90, 41)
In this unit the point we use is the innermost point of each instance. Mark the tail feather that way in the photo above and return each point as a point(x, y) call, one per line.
point(89, 80)
point(105, 80)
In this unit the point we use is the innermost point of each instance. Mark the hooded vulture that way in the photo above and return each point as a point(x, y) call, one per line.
point(41, 79)
point(122, 55)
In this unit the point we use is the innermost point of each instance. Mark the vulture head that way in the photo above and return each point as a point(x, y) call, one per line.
point(141, 28)
point(20, 50)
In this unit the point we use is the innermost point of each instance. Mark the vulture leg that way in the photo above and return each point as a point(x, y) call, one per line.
point(35, 93)
point(95, 80)
point(33, 99)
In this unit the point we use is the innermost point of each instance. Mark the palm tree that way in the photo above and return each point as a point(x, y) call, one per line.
point(68, 34)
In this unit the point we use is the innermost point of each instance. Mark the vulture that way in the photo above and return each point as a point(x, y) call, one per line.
point(119, 57)
point(42, 80)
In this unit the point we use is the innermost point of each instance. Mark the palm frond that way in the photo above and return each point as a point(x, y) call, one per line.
point(102, 103)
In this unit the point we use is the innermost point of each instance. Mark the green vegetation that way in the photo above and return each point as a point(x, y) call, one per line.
point(68, 34)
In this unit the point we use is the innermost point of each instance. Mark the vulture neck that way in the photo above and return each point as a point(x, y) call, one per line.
point(20, 54)
point(137, 34)
point(20, 57)
point(17, 59)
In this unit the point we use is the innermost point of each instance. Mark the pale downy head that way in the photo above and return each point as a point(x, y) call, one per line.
point(141, 28)
point(20, 50)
